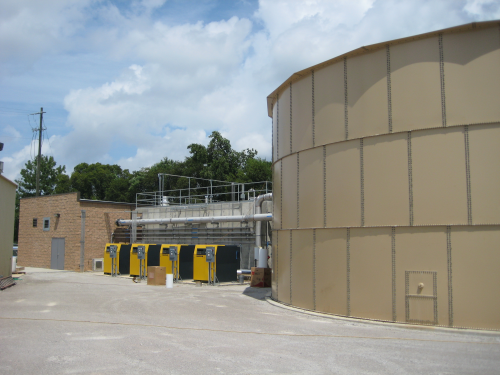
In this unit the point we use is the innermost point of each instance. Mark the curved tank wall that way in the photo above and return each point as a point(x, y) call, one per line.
point(386, 168)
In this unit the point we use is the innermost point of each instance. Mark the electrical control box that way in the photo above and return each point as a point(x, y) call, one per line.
point(224, 261)
point(141, 252)
point(112, 251)
point(210, 255)
point(173, 253)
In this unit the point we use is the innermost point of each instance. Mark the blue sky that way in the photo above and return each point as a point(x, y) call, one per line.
point(132, 82)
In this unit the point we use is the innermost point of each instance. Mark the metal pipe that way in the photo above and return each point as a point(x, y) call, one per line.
point(243, 272)
point(82, 242)
point(258, 251)
point(203, 219)
point(258, 210)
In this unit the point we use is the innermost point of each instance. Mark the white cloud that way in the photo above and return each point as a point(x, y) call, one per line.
point(185, 80)
point(11, 131)
point(185, 64)
point(17, 160)
point(483, 9)
point(31, 29)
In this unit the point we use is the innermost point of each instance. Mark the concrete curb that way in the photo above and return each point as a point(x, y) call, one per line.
point(466, 331)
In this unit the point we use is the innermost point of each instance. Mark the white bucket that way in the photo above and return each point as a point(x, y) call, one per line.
point(170, 280)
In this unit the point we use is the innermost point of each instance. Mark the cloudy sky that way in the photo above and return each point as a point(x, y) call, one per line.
point(130, 82)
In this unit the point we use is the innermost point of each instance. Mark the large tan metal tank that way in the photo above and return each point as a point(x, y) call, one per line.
point(387, 181)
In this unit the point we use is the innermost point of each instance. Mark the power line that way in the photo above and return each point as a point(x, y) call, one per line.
point(8, 136)
point(13, 110)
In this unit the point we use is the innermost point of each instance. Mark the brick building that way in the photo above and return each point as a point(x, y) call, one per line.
point(50, 230)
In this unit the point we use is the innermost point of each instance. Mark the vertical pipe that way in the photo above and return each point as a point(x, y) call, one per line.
point(133, 232)
point(260, 257)
point(82, 242)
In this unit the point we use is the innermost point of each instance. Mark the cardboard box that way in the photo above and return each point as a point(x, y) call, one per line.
point(157, 275)
point(261, 277)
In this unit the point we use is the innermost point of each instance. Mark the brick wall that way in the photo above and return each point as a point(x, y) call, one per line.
point(35, 243)
point(99, 225)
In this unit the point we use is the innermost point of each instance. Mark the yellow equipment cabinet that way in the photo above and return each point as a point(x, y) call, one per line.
point(122, 258)
point(200, 265)
point(226, 262)
point(135, 262)
point(107, 258)
point(151, 258)
point(165, 259)
point(184, 263)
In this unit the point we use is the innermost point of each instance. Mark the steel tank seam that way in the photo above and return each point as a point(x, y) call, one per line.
point(394, 133)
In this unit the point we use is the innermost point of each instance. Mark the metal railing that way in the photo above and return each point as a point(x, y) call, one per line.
point(202, 191)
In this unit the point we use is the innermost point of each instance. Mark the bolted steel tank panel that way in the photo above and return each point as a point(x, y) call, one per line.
point(386, 167)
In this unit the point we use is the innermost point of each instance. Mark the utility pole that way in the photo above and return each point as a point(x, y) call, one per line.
point(38, 162)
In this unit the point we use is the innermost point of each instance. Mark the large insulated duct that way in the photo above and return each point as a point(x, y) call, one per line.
point(202, 219)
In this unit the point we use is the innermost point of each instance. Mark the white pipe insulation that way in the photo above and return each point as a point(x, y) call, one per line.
point(201, 219)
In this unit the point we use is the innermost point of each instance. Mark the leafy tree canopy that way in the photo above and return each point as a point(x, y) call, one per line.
point(97, 181)
point(217, 161)
point(50, 175)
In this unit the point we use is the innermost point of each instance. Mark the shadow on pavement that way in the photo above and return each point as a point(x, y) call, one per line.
point(257, 293)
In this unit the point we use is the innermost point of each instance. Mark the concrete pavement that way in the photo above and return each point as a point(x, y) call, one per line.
point(60, 322)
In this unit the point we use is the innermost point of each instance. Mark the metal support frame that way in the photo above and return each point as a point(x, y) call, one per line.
point(114, 267)
point(142, 269)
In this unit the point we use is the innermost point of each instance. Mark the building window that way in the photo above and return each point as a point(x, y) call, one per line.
point(35, 222)
point(46, 223)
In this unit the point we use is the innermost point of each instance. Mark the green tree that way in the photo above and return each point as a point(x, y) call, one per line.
point(146, 179)
point(255, 170)
point(222, 159)
point(63, 184)
point(219, 161)
point(195, 165)
point(118, 189)
point(100, 181)
point(49, 177)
